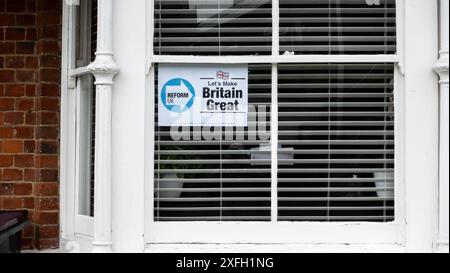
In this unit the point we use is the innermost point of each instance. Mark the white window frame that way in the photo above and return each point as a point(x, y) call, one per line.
point(74, 225)
point(168, 233)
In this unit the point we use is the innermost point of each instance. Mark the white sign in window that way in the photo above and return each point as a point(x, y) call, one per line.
point(203, 95)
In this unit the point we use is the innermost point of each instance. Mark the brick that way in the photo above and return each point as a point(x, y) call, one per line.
point(49, 244)
point(25, 75)
point(49, 75)
point(47, 218)
point(25, 105)
point(31, 62)
point(49, 47)
point(6, 104)
point(50, 18)
point(30, 118)
point(6, 189)
point(25, 47)
point(6, 132)
point(6, 161)
point(50, 32)
point(12, 147)
point(15, 34)
point(29, 147)
point(49, 5)
point(47, 189)
point(24, 132)
point(6, 20)
point(48, 132)
point(15, 62)
point(29, 175)
point(28, 202)
point(12, 203)
point(48, 175)
point(26, 20)
point(13, 118)
point(47, 161)
point(49, 104)
point(31, 34)
point(50, 90)
point(47, 204)
point(49, 118)
point(7, 48)
point(14, 90)
point(15, 5)
point(48, 232)
point(7, 76)
point(48, 147)
point(23, 189)
point(31, 6)
point(12, 175)
point(23, 161)
point(49, 61)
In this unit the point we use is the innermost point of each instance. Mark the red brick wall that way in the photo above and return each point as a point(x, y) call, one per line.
point(30, 41)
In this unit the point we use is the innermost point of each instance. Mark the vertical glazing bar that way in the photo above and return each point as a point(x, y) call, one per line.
point(274, 109)
point(274, 138)
point(275, 28)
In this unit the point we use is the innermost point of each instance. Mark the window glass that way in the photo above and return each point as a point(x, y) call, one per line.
point(86, 32)
point(217, 174)
point(337, 120)
point(86, 144)
point(213, 27)
point(337, 27)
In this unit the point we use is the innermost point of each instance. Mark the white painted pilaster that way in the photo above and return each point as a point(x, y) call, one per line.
point(128, 108)
point(441, 68)
point(421, 126)
point(104, 70)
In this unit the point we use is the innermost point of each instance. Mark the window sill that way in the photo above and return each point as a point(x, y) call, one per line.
point(275, 248)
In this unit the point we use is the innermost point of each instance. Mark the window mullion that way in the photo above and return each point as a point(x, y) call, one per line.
point(274, 142)
point(274, 109)
point(275, 28)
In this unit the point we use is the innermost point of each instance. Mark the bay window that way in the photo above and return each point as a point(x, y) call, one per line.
point(321, 161)
point(323, 76)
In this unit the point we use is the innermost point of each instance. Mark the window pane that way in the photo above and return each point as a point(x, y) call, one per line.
point(86, 145)
point(337, 27)
point(213, 27)
point(336, 121)
point(86, 33)
point(227, 178)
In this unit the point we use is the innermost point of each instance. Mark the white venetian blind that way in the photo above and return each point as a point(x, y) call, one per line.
point(337, 27)
point(213, 27)
point(222, 179)
point(337, 120)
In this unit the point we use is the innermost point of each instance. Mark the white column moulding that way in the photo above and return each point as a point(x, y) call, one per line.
point(104, 70)
point(129, 140)
point(421, 126)
point(441, 68)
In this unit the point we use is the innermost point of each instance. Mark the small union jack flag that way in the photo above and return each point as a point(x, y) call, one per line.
point(223, 75)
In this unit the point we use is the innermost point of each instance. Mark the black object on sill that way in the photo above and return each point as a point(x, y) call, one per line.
point(12, 224)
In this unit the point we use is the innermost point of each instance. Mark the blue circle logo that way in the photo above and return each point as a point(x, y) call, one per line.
point(178, 95)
